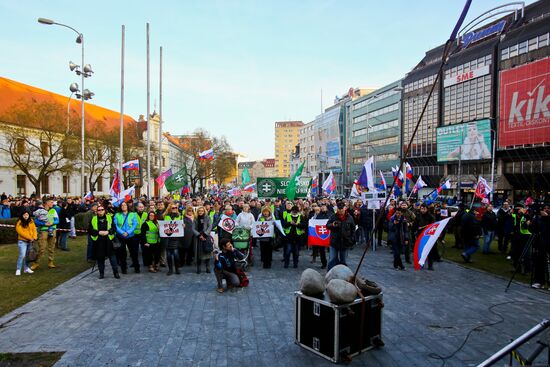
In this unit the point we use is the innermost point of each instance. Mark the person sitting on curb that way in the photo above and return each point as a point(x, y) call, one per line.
point(225, 265)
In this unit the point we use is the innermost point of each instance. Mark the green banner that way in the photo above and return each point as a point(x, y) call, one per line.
point(274, 187)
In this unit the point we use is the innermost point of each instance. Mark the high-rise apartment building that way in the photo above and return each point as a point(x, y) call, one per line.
point(287, 136)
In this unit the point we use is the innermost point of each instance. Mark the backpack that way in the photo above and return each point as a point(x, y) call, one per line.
point(243, 278)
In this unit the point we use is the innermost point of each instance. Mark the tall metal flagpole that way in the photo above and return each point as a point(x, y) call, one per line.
point(120, 155)
point(148, 119)
point(160, 116)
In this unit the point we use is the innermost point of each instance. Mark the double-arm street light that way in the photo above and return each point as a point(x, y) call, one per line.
point(84, 71)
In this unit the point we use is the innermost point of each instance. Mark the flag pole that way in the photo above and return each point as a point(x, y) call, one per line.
point(474, 196)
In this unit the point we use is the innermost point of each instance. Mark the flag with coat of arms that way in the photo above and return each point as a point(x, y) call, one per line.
point(318, 233)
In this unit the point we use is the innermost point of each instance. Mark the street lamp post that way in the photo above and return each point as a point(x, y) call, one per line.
point(493, 165)
point(86, 70)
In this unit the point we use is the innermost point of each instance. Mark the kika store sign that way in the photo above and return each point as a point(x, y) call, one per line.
point(274, 187)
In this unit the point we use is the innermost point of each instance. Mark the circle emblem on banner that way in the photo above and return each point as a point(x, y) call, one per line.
point(267, 187)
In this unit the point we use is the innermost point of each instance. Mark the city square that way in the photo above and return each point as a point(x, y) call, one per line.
point(257, 183)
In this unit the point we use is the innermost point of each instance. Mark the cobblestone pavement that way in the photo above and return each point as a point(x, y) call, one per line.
point(154, 320)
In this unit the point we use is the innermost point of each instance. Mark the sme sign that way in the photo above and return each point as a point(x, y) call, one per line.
point(464, 77)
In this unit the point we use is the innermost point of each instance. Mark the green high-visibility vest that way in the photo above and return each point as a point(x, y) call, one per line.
point(152, 234)
point(141, 219)
point(119, 217)
point(167, 217)
point(51, 217)
point(522, 228)
point(299, 231)
point(109, 224)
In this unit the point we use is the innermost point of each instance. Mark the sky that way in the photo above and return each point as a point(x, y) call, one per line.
point(230, 67)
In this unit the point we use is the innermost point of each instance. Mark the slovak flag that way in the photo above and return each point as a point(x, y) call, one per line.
point(207, 155)
point(88, 196)
point(409, 175)
point(116, 186)
point(131, 165)
point(446, 186)
point(355, 190)
point(382, 183)
point(426, 241)
point(482, 188)
point(250, 188)
point(329, 186)
point(366, 179)
point(234, 191)
point(398, 178)
point(314, 185)
point(419, 184)
point(318, 234)
point(124, 196)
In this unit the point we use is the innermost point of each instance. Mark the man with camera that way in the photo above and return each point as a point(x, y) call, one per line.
point(342, 235)
point(540, 228)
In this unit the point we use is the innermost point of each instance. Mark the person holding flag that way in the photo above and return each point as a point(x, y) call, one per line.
point(424, 219)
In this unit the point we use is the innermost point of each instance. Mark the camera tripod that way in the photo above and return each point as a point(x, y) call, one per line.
point(528, 247)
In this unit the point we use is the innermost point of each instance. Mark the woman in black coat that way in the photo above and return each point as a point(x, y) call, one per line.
point(102, 232)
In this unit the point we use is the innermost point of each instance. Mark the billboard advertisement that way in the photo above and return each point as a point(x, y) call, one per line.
point(468, 141)
point(523, 104)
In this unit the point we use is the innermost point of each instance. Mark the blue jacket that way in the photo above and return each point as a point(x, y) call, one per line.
point(5, 212)
point(129, 225)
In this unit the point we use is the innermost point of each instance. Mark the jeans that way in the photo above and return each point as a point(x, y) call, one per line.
point(22, 254)
point(72, 233)
point(487, 240)
point(336, 257)
point(291, 247)
point(231, 278)
point(63, 240)
point(471, 247)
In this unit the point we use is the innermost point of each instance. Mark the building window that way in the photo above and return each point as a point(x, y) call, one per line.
point(45, 185)
point(66, 184)
point(21, 185)
point(100, 184)
point(45, 148)
point(20, 146)
point(85, 184)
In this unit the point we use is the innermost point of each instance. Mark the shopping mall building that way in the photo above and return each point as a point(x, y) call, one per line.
point(488, 109)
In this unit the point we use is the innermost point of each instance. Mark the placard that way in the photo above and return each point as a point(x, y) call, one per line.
point(170, 228)
point(227, 223)
point(263, 229)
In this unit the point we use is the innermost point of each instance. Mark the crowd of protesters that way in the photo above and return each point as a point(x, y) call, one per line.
point(522, 232)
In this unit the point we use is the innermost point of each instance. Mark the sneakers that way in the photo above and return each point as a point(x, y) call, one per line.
point(28, 271)
point(18, 272)
point(534, 285)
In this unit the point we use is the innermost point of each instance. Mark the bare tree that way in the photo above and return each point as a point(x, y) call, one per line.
point(37, 142)
point(198, 170)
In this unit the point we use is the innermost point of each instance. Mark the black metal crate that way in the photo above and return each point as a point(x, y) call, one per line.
point(338, 332)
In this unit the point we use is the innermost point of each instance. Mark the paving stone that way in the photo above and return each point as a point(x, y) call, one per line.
point(153, 320)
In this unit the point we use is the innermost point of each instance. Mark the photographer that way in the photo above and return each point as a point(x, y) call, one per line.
point(342, 235)
point(225, 265)
point(398, 237)
point(540, 227)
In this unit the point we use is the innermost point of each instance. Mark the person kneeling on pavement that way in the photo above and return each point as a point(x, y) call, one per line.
point(225, 265)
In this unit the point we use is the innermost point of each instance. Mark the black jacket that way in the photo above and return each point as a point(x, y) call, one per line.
point(342, 233)
point(489, 222)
